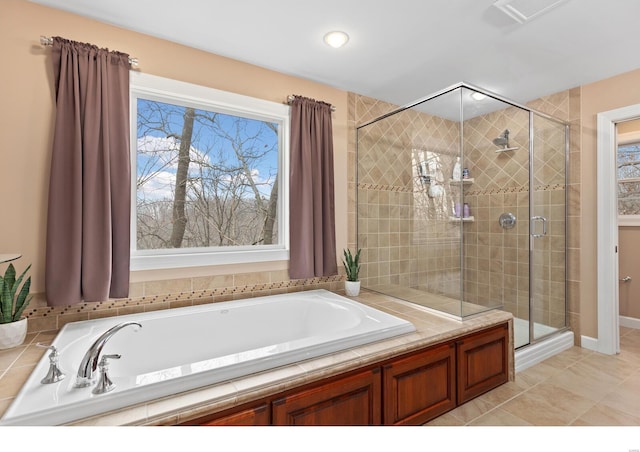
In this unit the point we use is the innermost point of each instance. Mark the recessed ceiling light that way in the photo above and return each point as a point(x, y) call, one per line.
point(477, 96)
point(336, 39)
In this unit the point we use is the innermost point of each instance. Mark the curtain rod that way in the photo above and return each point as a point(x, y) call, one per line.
point(45, 41)
point(291, 98)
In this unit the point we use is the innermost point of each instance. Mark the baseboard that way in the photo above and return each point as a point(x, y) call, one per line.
point(630, 322)
point(538, 352)
point(589, 343)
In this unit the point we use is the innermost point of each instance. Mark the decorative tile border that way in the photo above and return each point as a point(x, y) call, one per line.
point(549, 187)
point(382, 187)
point(521, 189)
point(488, 191)
point(53, 318)
point(498, 191)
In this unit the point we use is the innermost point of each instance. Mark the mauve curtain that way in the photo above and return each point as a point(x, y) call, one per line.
point(89, 189)
point(311, 201)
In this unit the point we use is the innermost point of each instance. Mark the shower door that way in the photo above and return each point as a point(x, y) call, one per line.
point(547, 227)
point(496, 139)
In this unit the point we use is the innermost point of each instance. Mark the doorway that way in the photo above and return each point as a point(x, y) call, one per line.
point(607, 224)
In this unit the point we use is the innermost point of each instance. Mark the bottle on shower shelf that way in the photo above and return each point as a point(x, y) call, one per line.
point(457, 211)
point(457, 170)
point(465, 210)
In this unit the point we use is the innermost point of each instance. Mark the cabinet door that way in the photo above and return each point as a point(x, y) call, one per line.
point(354, 400)
point(420, 387)
point(255, 413)
point(482, 362)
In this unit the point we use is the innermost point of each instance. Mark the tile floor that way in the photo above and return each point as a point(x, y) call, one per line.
point(577, 387)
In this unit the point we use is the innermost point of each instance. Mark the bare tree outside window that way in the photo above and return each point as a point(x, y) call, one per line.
point(628, 161)
point(204, 178)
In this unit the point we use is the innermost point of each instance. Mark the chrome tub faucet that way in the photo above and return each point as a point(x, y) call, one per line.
point(89, 363)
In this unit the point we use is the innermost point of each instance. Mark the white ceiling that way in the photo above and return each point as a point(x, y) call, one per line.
point(399, 50)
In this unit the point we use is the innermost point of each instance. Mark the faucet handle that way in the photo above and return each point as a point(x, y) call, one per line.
point(103, 361)
point(104, 383)
point(45, 345)
point(54, 374)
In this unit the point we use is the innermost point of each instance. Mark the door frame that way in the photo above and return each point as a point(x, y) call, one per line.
point(607, 225)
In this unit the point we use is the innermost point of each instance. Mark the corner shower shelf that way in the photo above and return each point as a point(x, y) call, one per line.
point(461, 181)
point(463, 219)
point(507, 149)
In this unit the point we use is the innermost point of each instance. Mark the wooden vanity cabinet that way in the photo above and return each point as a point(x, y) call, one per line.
point(420, 387)
point(353, 400)
point(483, 362)
point(410, 389)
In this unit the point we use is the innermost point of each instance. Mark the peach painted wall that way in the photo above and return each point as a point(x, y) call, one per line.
point(604, 95)
point(26, 118)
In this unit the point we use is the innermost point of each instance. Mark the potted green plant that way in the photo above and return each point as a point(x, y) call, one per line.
point(352, 267)
point(13, 300)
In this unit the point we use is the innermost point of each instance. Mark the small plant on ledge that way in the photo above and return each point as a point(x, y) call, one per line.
point(13, 329)
point(352, 267)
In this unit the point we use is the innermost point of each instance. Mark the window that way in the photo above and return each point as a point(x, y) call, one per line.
point(628, 167)
point(207, 176)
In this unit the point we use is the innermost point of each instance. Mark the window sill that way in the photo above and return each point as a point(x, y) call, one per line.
point(168, 261)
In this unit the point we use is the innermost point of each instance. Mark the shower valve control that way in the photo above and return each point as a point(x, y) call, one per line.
point(507, 220)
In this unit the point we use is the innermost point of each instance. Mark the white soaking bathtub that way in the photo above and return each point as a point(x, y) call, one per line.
point(181, 349)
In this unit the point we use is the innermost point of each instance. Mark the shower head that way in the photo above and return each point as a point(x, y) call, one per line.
point(503, 139)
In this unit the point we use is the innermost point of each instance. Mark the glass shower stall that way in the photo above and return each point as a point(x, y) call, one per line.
point(461, 208)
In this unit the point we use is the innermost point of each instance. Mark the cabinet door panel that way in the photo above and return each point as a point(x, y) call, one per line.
point(482, 362)
point(420, 387)
point(353, 400)
point(259, 415)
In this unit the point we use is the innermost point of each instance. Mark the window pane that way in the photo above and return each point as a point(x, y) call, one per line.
point(204, 178)
point(628, 160)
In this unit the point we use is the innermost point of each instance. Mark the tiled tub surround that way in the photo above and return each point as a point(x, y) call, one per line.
point(175, 293)
point(431, 329)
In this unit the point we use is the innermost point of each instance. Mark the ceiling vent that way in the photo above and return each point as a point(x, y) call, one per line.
point(525, 10)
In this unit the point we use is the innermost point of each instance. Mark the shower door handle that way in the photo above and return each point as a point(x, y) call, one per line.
point(533, 225)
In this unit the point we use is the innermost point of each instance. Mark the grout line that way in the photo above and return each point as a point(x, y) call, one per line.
point(582, 414)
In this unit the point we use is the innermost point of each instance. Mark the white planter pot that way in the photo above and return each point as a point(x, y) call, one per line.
point(352, 288)
point(12, 334)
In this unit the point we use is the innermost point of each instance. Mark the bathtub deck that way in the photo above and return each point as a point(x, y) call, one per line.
point(431, 329)
point(433, 301)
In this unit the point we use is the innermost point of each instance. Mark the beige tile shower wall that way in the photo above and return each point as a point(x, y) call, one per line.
point(437, 239)
point(384, 201)
point(404, 229)
point(496, 259)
